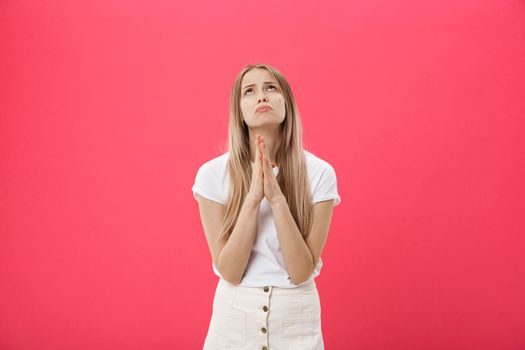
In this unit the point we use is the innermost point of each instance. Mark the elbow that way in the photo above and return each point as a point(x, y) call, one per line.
point(230, 280)
point(298, 279)
point(295, 282)
point(228, 276)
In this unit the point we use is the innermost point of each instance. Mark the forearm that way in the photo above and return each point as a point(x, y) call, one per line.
point(236, 252)
point(295, 251)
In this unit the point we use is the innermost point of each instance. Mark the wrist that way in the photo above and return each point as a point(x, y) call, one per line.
point(279, 201)
point(252, 200)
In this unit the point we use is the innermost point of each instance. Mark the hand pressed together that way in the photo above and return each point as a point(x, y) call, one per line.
point(264, 182)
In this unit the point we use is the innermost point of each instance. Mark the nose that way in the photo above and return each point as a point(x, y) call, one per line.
point(262, 96)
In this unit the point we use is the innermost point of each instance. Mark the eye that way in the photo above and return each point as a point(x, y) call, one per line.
point(269, 87)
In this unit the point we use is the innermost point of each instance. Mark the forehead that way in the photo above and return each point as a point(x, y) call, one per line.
point(256, 76)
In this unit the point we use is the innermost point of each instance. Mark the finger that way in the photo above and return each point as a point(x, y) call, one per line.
point(257, 159)
point(263, 163)
point(257, 154)
point(260, 162)
point(266, 151)
point(263, 154)
point(267, 157)
point(265, 169)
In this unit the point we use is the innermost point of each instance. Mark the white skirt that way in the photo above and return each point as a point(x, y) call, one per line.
point(265, 318)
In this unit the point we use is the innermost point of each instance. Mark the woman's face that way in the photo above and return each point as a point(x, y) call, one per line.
point(259, 88)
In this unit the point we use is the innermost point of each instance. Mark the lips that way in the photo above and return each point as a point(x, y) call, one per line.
point(263, 109)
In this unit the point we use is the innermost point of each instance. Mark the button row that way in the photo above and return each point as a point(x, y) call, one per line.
point(265, 309)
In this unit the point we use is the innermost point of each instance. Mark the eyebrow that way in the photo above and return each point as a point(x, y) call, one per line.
point(266, 82)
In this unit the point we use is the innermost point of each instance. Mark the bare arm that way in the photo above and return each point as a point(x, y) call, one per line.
point(300, 255)
point(235, 253)
point(231, 256)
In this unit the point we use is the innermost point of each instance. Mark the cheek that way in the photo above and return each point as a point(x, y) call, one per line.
point(280, 102)
point(244, 107)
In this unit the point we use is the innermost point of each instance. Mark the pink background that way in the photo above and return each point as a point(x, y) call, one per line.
point(108, 108)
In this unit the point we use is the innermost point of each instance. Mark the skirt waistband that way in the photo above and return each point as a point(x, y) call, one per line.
point(310, 285)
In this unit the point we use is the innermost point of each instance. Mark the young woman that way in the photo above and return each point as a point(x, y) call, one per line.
point(265, 207)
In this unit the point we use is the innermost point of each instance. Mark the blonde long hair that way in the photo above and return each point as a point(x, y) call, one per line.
point(292, 176)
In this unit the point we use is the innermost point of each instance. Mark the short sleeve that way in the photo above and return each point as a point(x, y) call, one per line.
point(208, 184)
point(327, 186)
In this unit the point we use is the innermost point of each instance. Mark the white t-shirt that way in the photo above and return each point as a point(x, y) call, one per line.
point(266, 265)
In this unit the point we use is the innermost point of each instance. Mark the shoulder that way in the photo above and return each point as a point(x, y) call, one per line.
point(322, 177)
point(316, 165)
point(211, 179)
point(216, 165)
